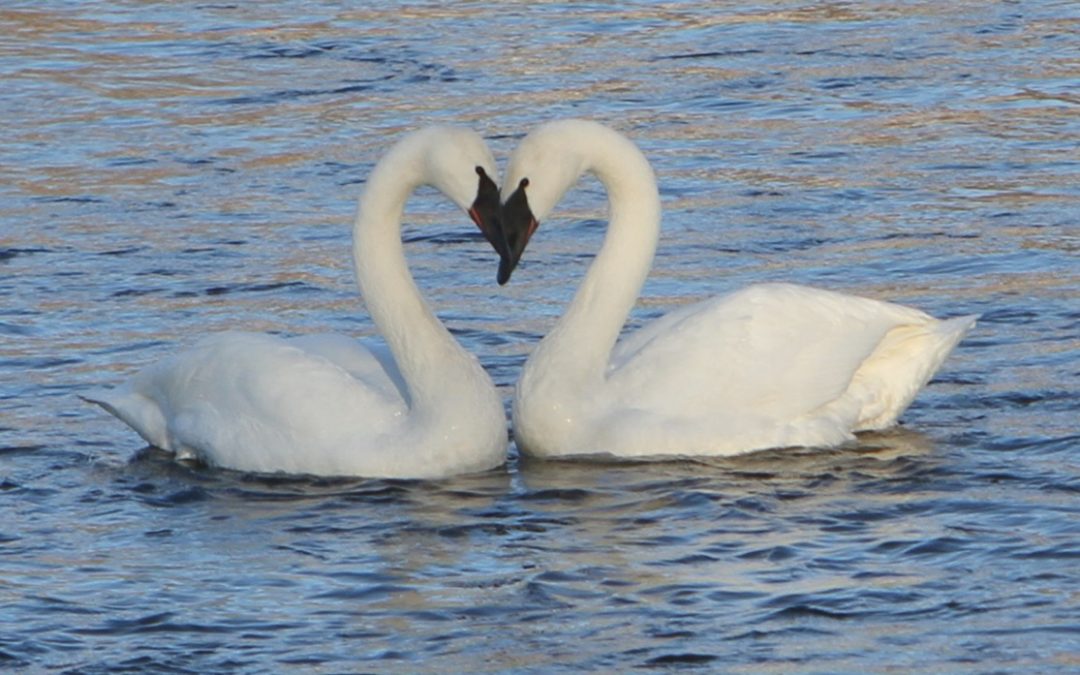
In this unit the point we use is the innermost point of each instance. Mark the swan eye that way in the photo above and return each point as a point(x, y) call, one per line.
point(524, 183)
point(480, 171)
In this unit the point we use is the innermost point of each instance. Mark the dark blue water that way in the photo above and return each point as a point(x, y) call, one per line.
point(173, 169)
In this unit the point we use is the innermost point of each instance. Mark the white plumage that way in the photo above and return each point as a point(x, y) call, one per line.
point(771, 365)
point(419, 407)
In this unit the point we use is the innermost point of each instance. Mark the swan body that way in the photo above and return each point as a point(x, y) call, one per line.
point(418, 407)
point(771, 365)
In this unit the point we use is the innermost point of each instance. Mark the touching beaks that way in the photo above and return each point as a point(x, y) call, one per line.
point(485, 213)
point(507, 227)
point(518, 224)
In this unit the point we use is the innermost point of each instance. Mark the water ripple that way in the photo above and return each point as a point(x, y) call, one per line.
point(201, 175)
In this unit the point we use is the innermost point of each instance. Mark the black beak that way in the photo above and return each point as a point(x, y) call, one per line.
point(485, 213)
point(518, 225)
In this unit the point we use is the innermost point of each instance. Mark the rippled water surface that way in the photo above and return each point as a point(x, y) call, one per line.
point(170, 169)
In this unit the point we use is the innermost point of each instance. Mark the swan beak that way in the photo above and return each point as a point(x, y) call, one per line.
point(485, 213)
point(518, 225)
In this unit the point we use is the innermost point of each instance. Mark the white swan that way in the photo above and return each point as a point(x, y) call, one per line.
point(772, 365)
point(325, 404)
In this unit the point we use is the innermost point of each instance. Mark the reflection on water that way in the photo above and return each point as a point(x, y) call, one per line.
point(172, 169)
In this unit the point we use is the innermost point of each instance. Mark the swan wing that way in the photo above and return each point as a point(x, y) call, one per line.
point(371, 363)
point(258, 403)
point(773, 352)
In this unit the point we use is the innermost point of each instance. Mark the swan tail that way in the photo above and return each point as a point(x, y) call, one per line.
point(135, 410)
point(900, 367)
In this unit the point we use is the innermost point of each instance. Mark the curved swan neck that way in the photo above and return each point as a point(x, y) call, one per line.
point(587, 332)
point(415, 336)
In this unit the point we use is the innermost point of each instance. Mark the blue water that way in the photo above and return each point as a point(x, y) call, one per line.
point(171, 169)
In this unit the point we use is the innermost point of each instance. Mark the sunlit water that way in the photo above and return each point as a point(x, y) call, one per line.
point(170, 169)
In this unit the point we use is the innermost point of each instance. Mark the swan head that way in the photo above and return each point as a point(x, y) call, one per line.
point(458, 162)
point(549, 160)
